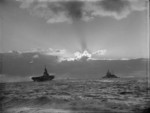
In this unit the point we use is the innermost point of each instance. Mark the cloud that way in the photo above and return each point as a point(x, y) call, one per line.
point(77, 56)
point(55, 11)
point(118, 9)
point(59, 53)
point(2, 1)
point(36, 56)
point(36, 53)
point(15, 52)
point(56, 52)
point(48, 51)
point(100, 52)
point(85, 55)
point(125, 59)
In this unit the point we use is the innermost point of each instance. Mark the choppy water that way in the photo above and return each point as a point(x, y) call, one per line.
point(75, 96)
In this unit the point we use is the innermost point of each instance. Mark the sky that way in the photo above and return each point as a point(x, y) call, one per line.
point(97, 29)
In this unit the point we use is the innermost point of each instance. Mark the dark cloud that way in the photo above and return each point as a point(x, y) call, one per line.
point(3, 2)
point(72, 10)
point(117, 6)
point(69, 9)
point(75, 11)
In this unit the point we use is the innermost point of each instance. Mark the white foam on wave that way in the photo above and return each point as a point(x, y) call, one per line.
point(106, 80)
point(37, 110)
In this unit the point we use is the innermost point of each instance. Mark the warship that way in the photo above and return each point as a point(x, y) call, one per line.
point(110, 75)
point(44, 77)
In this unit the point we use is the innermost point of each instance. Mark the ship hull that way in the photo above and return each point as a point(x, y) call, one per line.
point(42, 79)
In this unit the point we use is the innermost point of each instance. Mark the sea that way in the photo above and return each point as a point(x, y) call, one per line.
point(120, 95)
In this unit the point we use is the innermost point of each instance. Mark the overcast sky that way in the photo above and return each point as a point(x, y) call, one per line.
point(115, 28)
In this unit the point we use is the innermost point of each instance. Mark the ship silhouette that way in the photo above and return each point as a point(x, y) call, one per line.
point(44, 77)
point(110, 75)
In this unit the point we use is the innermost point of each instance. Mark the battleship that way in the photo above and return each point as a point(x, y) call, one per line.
point(110, 75)
point(44, 77)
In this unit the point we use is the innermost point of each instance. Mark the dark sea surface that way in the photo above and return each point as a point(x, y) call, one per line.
point(76, 96)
